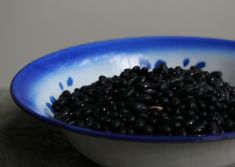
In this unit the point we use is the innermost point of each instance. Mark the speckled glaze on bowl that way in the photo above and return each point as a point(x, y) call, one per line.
point(38, 84)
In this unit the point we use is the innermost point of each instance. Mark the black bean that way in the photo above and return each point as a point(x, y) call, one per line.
point(144, 71)
point(212, 128)
point(130, 118)
point(143, 115)
point(175, 101)
point(135, 69)
point(153, 121)
point(164, 129)
point(217, 74)
point(129, 92)
point(115, 115)
point(163, 117)
point(80, 123)
point(139, 124)
point(229, 125)
point(180, 132)
point(176, 125)
point(163, 85)
point(137, 80)
point(65, 93)
point(145, 85)
point(96, 126)
point(201, 104)
point(208, 98)
point(145, 98)
point(148, 130)
point(86, 111)
point(178, 118)
point(165, 100)
point(184, 91)
point(116, 124)
point(192, 105)
point(63, 102)
point(176, 111)
point(139, 107)
point(169, 93)
point(55, 106)
point(189, 123)
point(130, 130)
point(197, 129)
point(189, 113)
point(149, 91)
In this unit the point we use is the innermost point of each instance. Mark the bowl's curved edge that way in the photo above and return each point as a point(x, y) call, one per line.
point(137, 138)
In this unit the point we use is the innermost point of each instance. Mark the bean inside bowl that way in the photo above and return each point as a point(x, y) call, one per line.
point(163, 101)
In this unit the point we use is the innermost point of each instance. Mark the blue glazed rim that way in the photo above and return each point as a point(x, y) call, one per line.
point(212, 42)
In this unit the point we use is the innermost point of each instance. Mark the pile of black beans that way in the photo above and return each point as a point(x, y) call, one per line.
point(163, 101)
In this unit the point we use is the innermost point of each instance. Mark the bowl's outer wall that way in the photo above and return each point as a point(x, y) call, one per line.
point(114, 153)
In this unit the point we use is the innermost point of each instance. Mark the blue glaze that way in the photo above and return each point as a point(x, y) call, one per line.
point(49, 107)
point(70, 81)
point(144, 63)
point(159, 62)
point(186, 62)
point(61, 86)
point(201, 64)
point(52, 99)
point(23, 86)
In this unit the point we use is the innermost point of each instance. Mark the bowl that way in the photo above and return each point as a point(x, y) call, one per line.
point(39, 83)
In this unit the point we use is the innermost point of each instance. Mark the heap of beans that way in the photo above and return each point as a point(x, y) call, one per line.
point(164, 101)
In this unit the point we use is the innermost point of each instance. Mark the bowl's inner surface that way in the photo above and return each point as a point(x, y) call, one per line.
point(43, 80)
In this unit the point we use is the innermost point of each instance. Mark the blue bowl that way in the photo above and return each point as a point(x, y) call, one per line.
point(39, 83)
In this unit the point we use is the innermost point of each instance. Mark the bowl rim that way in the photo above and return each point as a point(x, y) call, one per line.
point(125, 137)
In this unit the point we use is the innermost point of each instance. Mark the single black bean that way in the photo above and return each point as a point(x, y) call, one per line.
point(190, 122)
point(178, 118)
point(165, 100)
point(217, 74)
point(189, 113)
point(144, 71)
point(175, 101)
point(164, 129)
point(139, 124)
point(148, 130)
point(149, 91)
point(192, 105)
point(197, 129)
point(130, 130)
point(184, 91)
point(208, 98)
point(145, 98)
point(229, 125)
point(153, 121)
point(139, 107)
point(163, 85)
point(175, 125)
point(180, 132)
point(143, 115)
point(116, 124)
point(65, 93)
point(163, 117)
point(212, 128)
point(129, 92)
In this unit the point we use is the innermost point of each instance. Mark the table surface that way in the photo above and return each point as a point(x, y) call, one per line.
point(28, 142)
point(31, 143)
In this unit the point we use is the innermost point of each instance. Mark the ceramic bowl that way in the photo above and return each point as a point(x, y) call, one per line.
point(39, 83)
